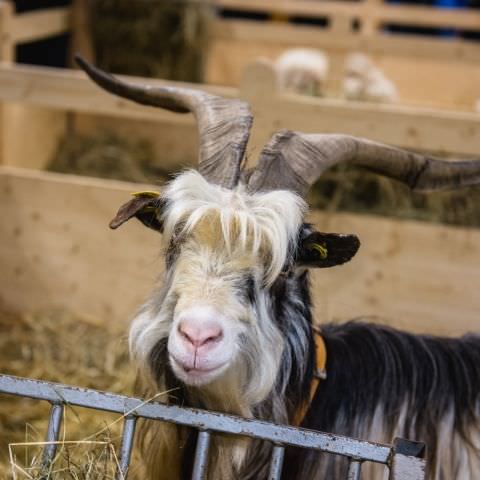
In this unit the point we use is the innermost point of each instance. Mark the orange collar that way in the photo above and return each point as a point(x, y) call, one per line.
point(320, 374)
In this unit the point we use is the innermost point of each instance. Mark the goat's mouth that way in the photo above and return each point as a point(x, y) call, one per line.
point(199, 374)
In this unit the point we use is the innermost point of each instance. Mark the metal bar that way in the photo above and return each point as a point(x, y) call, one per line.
point(354, 469)
point(201, 455)
point(126, 446)
point(200, 419)
point(276, 462)
point(407, 460)
point(53, 432)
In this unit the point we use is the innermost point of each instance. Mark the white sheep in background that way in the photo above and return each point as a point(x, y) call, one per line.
point(303, 71)
point(365, 82)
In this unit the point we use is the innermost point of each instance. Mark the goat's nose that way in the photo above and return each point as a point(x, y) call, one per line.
point(200, 334)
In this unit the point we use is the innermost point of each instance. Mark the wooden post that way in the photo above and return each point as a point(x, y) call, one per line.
point(370, 20)
point(7, 54)
point(259, 88)
point(7, 49)
point(28, 135)
point(81, 37)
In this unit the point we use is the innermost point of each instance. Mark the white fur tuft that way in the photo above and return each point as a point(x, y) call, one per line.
point(268, 221)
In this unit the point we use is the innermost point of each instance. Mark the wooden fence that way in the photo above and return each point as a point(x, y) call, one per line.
point(58, 252)
point(31, 140)
point(441, 71)
point(44, 126)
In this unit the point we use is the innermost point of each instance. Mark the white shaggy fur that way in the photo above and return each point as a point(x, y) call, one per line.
point(221, 237)
point(365, 82)
point(224, 233)
point(269, 219)
point(302, 70)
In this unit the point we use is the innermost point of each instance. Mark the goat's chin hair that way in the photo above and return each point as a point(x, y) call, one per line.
point(242, 390)
point(260, 344)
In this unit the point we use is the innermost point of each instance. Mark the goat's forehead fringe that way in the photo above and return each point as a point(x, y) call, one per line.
point(267, 222)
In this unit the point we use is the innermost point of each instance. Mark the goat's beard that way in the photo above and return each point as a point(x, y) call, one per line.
point(238, 389)
point(247, 388)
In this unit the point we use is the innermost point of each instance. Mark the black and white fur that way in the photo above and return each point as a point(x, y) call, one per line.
point(381, 383)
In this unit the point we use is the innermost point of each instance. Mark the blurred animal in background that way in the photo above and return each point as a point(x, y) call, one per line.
point(230, 326)
point(365, 82)
point(303, 71)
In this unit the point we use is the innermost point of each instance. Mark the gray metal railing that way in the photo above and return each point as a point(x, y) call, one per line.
point(403, 459)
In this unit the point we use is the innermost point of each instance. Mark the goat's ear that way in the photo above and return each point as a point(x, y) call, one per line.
point(145, 206)
point(321, 250)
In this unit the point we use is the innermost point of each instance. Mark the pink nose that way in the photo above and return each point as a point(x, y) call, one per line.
point(200, 334)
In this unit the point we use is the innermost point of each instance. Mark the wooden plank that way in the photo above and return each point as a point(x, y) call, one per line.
point(402, 14)
point(81, 37)
point(465, 18)
point(304, 8)
point(407, 274)
point(57, 252)
point(70, 90)
point(32, 135)
point(453, 133)
point(298, 35)
point(7, 47)
point(40, 24)
point(438, 63)
point(407, 127)
point(7, 54)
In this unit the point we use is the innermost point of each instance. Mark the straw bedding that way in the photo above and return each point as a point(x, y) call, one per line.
point(61, 347)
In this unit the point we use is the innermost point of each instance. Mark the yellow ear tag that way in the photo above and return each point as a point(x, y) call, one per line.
point(321, 249)
point(146, 193)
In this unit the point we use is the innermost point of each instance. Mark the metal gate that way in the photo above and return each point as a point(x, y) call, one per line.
point(403, 459)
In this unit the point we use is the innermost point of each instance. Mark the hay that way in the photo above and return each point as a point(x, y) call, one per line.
point(77, 460)
point(343, 188)
point(107, 155)
point(61, 347)
point(152, 38)
point(354, 190)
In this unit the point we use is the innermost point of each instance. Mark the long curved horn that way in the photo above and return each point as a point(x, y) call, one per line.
point(294, 161)
point(223, 124)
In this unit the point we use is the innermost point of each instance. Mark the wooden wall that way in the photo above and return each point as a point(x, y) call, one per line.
point(174, 136)
point(441, 71)
point(57, 251)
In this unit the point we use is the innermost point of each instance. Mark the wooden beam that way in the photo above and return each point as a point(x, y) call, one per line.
point(449, 132)
point(81, 36)
point(454, 133)
point(7, 54)
point(58, 252)
point(37, 25)
point(7, 47)
point(464, 18)
point(403, 14)
point(305, 8)
point(289, 35)
point(72, 90)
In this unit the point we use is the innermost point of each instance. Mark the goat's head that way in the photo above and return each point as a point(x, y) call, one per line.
point(230, 236)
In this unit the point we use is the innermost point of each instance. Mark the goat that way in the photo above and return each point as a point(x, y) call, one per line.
point(364, 81)
point(230, 325)
point(303, 71)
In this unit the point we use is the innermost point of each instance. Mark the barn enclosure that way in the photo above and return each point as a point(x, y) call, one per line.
point(58, 255)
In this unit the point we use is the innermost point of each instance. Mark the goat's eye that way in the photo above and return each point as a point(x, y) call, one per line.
point(250, 288)
point(172, 252)
point(246, 287)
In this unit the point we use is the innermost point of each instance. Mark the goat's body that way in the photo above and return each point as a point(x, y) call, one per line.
point(381, 383)
point(231, 330)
